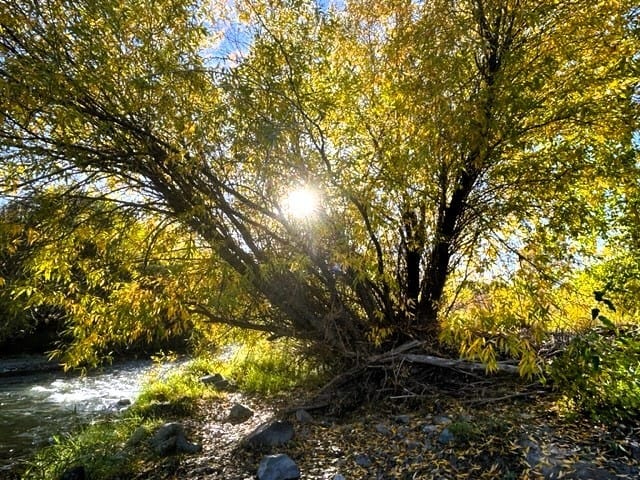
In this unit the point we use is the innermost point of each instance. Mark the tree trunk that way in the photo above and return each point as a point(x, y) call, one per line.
point(446, 234)
point(413, 240)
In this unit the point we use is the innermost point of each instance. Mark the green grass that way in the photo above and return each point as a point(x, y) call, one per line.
point(174, 395)
point(266, 368)
point(99, 447)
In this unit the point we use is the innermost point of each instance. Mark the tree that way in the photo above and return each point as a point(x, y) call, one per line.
point(434, 133)
point(105, 278)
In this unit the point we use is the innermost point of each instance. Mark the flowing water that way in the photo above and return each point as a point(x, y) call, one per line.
point(36, 406)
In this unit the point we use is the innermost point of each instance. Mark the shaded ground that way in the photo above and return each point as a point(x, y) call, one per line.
point(439, 435)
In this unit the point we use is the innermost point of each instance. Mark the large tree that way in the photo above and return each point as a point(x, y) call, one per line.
point(433, 133)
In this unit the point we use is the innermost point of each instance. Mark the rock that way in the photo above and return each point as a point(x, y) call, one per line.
point(239, 413)
point(402, 419)
point(533, 451)
point(383, 429)
point(278, 467)
point(303, 416)
point(430, 429)
point(446, 436)
point(212, 379)
point(270, 434)
point(216, 380)
point(413, 445)
point(123, 402)
point(338, 476)
point(401, 433)
point(442, 420)
point(185, 446)
point(170, 439)
point(75, 473)
point(363, 460)
point(635, 450)
point(413, 460)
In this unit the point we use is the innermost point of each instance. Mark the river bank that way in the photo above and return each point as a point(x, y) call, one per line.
point(19, 365)
point(39, 402)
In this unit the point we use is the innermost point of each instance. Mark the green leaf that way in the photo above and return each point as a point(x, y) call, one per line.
point(605, 321)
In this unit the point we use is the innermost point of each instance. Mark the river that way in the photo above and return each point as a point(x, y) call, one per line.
point(37, 405)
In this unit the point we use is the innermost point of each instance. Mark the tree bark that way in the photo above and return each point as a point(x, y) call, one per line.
point(446, 233)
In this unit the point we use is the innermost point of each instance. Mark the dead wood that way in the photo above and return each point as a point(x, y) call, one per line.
point(449, 363)
point(405, 371)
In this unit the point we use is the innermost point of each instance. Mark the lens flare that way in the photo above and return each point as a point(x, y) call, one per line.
point(301, 203)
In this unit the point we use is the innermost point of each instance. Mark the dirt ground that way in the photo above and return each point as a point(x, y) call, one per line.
point(496, 434)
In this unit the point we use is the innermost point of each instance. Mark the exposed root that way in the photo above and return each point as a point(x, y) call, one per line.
point(407, 373)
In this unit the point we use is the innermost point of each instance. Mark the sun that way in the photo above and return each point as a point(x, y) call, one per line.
point(301, 203)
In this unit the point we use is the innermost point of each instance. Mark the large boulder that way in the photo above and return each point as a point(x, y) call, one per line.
point(270, 435)
point(278, 467)
point(170, 439)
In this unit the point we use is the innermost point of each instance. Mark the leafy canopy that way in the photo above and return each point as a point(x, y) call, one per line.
point(442, 136)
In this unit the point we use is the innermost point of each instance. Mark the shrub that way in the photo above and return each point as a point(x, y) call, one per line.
point(599, 373)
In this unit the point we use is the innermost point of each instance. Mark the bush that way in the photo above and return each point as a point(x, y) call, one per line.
point(599, 373)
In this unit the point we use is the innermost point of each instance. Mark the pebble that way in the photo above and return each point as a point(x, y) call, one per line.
point(383, 429)
point(363, 460)
point(403, 419)
point(446, 436)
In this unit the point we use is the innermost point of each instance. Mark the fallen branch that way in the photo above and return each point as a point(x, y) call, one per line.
point(482, 401)
point(447, 362)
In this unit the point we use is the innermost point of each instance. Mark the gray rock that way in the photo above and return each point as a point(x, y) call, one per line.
point(592, 472)
point(212, 379)
point(442, 420)
point(533, 451)
point(216, 380)
point(338, 476)
point(430, 429)
point(403, 419)
point(185, 446)
point(413, 445)
point(270, 435)
point(170, 439)
point(446, 436)
point(303, 416)
point(123, 402)
point(278, 467)
point(239, 413)
point(635, 450)
point(383, 429)
point(363, 460)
